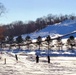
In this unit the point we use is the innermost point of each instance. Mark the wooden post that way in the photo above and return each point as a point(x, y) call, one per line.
point(48, 59)
point(16, 57)
point(4, 60)
point(37, 59)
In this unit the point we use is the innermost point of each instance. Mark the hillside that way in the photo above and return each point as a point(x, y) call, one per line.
point(62, 59)
point(56, 29)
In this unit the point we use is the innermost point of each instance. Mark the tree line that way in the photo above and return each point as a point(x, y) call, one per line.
point(19, 27)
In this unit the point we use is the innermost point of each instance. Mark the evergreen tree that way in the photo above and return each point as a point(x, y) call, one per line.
point(71, 41)
point(10, 39)
point(28, 40)
point(19, 39)
point(48, 39)
point(39, 39)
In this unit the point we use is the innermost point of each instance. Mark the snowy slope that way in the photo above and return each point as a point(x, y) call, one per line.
point(62, 64)
point(58, 29)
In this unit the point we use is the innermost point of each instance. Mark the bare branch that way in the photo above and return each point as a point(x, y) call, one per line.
point(2, 9)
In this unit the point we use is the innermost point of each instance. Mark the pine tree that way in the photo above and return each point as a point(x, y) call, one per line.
point(19, 39)
point(48, 39)
point(39, 39)
point(28, 40)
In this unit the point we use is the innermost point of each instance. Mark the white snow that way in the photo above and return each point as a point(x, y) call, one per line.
point(57, 29)
point(26, 64)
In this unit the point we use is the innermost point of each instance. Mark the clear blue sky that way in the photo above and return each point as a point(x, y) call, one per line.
point(26, 10)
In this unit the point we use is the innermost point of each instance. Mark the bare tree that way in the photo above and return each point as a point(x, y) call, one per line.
point(2, 9)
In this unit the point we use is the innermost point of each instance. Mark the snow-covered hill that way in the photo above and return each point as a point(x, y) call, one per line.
point(62, 60)
point(56, 29)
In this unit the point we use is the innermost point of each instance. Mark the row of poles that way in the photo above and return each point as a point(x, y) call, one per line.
point(37, 59)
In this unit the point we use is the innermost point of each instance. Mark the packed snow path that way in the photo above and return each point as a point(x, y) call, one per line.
point(27, 66)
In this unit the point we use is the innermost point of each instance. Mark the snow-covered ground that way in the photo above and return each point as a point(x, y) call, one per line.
point(27, 65)
point(62, 58)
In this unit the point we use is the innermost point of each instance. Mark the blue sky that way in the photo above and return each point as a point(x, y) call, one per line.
point(26, 10)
